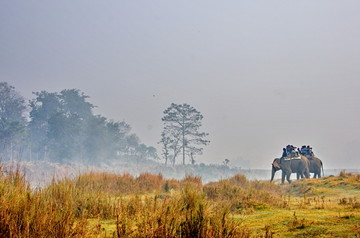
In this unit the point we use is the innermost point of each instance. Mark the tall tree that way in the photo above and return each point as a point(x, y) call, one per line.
point(12, 119)
point(43, 107)
point(57, 123)
point(182, 124)
point(12, 104)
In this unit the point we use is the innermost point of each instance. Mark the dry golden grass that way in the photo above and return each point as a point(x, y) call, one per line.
point(26, 213)
point(244, 196)
point(109, 205)
point(145, 206)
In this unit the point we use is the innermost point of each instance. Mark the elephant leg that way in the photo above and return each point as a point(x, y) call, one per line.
point(282, 177)
point(288, 177)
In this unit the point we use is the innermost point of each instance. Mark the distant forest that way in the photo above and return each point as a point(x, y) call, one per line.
point(61, 127)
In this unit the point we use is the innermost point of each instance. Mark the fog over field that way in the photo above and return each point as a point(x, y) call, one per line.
point(264, 74)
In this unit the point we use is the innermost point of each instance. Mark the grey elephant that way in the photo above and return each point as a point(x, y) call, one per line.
point(296, 164)
point(315, 166)
point(276, 167)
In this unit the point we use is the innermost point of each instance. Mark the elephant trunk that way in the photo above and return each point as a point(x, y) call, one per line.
point(273, 173)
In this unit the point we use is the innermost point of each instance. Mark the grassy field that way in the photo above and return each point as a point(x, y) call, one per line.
point(109, 205)
point(326, 207)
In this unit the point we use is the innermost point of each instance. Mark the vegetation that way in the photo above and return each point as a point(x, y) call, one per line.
point(63, 128)
point(326, 207)
point(12, 121)
point(110, 205)
point(82, 207)
point(181, 133)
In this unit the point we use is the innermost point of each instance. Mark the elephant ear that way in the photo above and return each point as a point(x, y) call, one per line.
point(276, 164)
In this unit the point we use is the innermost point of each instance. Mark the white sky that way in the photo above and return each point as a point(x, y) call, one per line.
point(263, 73)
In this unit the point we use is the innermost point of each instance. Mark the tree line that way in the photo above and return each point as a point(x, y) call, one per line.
point(61, 127)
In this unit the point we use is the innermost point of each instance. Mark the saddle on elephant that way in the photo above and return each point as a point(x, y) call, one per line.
point(295, 157)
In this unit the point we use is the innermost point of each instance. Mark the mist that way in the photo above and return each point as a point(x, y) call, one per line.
point(264, 74)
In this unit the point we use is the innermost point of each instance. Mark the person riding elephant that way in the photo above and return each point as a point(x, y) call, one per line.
point(306, 150)
point(316, 164)
point(298, 164)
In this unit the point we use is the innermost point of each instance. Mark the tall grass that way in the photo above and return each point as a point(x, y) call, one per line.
point(141, 206)
point(187, 215)
point(26, 213)
point(244, 196)
point(118, 185)
point(147, 205)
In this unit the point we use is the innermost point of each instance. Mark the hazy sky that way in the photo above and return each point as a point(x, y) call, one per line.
point(264, 74)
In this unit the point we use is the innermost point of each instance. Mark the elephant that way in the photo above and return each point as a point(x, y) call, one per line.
point(297, 164)
point(315, 166)
point(276, 167)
